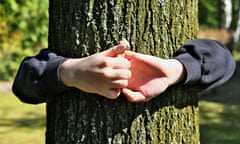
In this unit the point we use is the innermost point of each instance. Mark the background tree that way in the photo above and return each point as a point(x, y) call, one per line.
point(235, 25)
point(223, 15)
point(209, 13)
point(226, 14)
point(154, 27)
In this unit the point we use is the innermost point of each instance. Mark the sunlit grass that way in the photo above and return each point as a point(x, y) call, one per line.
point(219, 123)
point(25, 124)
point(236, 55)
point(21, 123)
point(220, 113)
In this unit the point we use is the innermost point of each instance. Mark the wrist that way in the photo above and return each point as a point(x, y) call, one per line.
point(65, 74)
point(179, 71)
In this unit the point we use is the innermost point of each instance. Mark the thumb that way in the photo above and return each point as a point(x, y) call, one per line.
point(133, 96)
point(118, 49)
point(112, 93)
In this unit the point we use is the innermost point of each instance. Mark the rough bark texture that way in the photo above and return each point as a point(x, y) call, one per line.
point(157, 27)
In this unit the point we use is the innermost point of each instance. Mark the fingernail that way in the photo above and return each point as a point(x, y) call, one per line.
point(125, 44)
point(117, 91)
point(115, 48)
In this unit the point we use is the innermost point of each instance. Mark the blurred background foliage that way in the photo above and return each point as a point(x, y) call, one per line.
point(211, 12)
point(208, 13)
point(24, 28)
point(23, 31)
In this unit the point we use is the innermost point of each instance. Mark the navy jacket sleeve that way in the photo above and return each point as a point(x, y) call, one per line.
point(37, 79)
point(208, 63)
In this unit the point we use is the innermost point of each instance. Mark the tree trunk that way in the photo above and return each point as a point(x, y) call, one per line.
point(236, 23)
point(226, 14)
point(157, 27)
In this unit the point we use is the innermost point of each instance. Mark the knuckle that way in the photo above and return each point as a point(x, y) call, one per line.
point(103, 62)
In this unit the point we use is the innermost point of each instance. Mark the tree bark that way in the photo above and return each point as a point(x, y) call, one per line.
point(236, 23)
point(156, 27)
point(226, 14)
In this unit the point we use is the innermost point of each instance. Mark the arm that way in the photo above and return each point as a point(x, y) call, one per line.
point(37, 80)
point(208, 63)
point(103, 73)
point(44, 77)
point(202, 64)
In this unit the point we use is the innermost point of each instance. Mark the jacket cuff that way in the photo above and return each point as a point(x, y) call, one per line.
point(54, 84)
point(192, 68)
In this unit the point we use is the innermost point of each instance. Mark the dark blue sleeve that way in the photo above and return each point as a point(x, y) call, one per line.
point(37, 80)
point(208, 63)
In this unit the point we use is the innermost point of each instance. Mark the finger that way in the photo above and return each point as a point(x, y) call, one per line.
point(118, 49)
point(134, 96)
point(130, 54)
point(143, 59)
point(120, 83)
point(117, 62)
point(123, 46)
point(140, 57)
point(111, 93)
point(117, 74)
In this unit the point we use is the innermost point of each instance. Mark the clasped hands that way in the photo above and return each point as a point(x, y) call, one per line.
point(138, 76)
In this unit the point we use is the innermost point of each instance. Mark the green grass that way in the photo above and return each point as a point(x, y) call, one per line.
point(220, 112)
point(236, 55)
point(21, 123)
point(25, 124)
point(219, 123)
